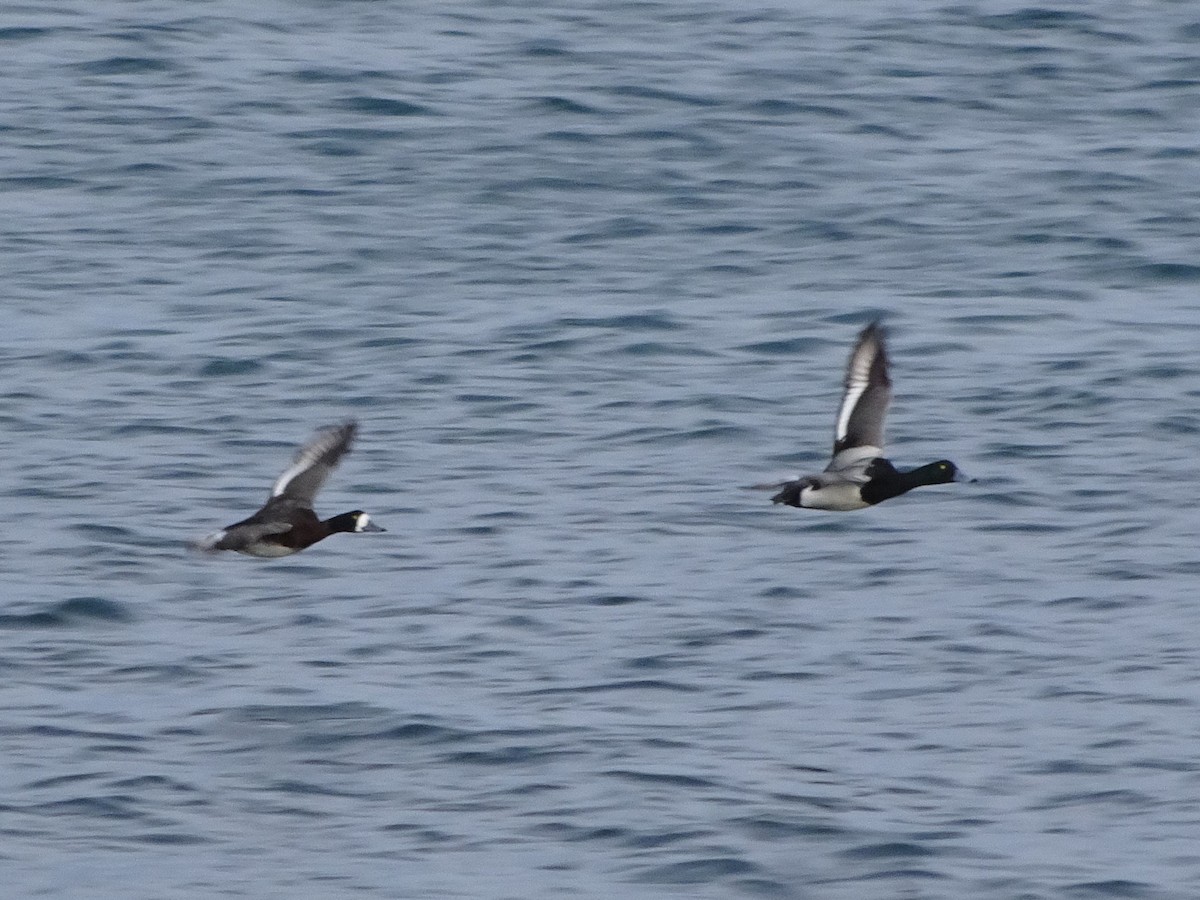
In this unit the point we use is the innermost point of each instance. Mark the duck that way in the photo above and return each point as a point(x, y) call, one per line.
point(287, 523)
point(859, 475)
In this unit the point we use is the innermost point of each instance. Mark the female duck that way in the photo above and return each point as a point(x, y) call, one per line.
point(287, 523)
point(858, 475)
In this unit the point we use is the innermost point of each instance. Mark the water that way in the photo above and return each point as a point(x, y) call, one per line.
point(581, 273)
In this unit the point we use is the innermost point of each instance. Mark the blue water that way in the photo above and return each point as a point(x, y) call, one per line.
point(582, 272)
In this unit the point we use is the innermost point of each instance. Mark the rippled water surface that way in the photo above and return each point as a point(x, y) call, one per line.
point(582, 272)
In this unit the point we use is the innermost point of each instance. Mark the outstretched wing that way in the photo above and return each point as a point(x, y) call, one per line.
point(868, 393)
point(314, 461)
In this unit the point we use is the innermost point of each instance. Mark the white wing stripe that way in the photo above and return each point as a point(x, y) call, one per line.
point(306, 459)
point(295, 469)
point(858, 378)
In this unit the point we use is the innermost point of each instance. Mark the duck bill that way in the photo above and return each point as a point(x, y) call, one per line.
point(960, 475)
point(371, 526)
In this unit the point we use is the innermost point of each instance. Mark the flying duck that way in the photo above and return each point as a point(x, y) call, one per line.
point(859, 475)
point(287, 524)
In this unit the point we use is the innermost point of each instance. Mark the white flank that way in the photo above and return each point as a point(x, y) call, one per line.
point(267, 550)
point(841, 497)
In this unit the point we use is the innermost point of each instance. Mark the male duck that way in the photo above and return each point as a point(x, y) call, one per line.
point(859, 476)
point(287, 523)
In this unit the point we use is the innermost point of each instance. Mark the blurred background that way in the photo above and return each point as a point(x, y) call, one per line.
point(582, 272)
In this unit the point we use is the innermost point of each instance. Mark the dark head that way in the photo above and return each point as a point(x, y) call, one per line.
point(941, 472)
point(886, 481)
point(356, 521)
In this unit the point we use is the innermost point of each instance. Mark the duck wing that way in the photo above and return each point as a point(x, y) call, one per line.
point(314, 462)
point(237, 537)
point(865, 401)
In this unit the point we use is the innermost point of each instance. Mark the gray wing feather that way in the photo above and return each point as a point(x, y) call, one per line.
point(868, 393)
point(243, 537)
point(850, 465)
point(314, 461)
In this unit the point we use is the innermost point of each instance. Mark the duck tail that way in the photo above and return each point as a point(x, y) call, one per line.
point(790, 495)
